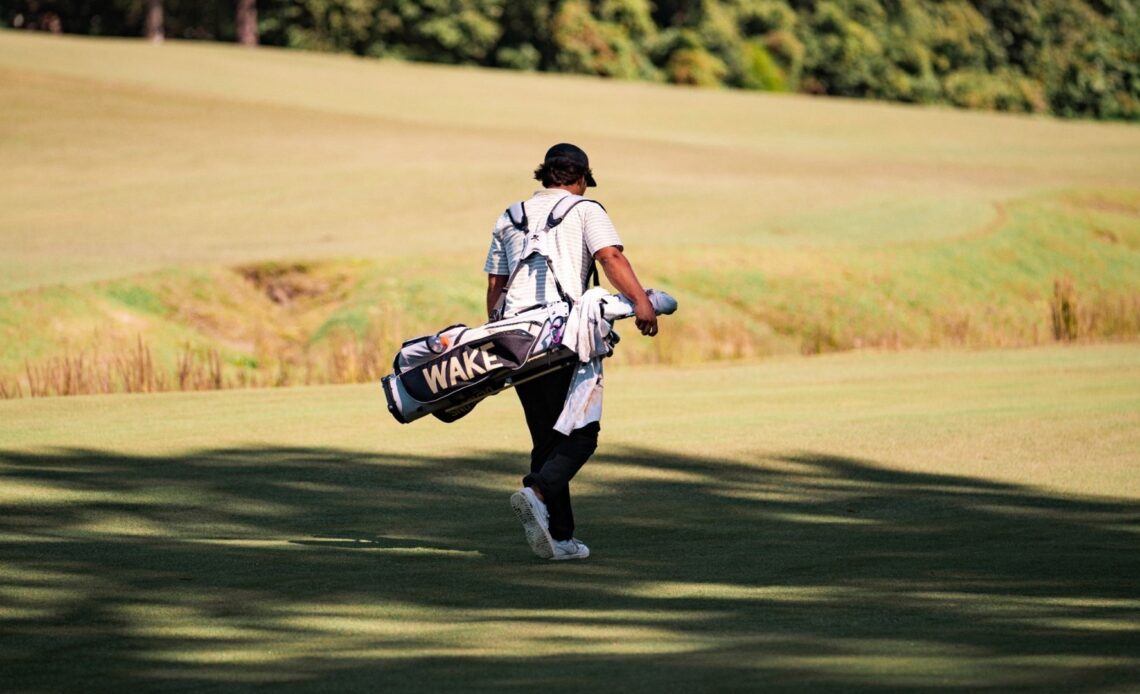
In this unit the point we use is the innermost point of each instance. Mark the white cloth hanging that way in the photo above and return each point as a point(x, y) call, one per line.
point(587, 333)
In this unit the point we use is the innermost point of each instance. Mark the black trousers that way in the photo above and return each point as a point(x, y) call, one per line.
point(555, 457)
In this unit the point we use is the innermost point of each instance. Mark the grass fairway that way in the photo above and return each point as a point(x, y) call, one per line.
point(868, 522)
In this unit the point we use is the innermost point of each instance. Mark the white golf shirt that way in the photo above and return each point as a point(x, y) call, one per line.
point(571, 246)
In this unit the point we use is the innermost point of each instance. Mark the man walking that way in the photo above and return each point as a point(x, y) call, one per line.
point(535, 259)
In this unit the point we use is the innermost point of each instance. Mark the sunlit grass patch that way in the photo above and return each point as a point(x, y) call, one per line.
point(823, 541)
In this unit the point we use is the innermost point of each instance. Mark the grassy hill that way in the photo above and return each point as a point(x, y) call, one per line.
point(164, 193)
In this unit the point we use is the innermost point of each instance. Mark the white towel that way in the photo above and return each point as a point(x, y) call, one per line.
point(584, 399)
point(587, 333)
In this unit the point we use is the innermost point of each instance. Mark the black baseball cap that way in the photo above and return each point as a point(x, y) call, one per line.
point(566, 152)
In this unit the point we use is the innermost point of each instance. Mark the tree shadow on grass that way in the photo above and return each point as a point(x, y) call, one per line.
point(334, 570)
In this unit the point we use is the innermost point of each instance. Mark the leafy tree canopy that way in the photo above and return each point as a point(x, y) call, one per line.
point(1072, 58)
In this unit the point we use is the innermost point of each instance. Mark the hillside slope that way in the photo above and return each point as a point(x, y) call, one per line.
point(146, 188)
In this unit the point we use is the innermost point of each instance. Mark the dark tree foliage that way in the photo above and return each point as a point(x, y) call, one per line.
point(1072, 58)
point(185, 19)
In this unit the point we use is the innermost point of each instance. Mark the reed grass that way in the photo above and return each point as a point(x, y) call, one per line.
point(135, 370)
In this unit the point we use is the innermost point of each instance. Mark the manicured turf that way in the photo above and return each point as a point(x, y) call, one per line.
point(866, 522)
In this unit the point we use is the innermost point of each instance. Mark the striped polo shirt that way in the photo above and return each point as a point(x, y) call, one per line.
point(585, 230)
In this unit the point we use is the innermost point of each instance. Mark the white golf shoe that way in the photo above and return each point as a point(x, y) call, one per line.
point(570, 549)
point(530, 510)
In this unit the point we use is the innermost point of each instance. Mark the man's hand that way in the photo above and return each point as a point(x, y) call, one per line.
point(646, 317)
point(621, 275)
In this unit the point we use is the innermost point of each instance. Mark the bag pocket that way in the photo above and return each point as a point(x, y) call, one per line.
point(419, 350)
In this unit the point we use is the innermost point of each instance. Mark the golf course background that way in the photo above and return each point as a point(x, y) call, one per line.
point(197, 215)
point(944, 494)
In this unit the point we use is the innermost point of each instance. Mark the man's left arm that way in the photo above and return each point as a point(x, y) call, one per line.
point(495, 286)
point(496, 267)
point(621, 275)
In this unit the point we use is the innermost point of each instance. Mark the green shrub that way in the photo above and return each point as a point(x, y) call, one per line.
point(760, 70)
point(762, 17)
point(697, 67)
point(1001, 91)
point(588, 45)
point(523, 57)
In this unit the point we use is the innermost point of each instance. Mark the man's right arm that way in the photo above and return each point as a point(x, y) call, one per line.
point(495, 286)
point(621, 275)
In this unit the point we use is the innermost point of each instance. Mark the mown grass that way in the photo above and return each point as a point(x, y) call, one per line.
point(237, 156)
point(867, 522)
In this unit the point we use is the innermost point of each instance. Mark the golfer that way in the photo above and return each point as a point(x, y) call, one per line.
point(519, 278)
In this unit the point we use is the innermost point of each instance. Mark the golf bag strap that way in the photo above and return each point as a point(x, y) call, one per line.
point(557, 285)
point(519, 220)
point(563, 207)
point(558, 213)
point(500, 303)
point(497, 312)
point(516, 213)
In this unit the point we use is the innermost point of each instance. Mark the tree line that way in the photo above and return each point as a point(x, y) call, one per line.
point(1071, 58)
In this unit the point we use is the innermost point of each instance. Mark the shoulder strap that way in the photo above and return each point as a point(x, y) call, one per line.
point(563, 207)
point(517, 214)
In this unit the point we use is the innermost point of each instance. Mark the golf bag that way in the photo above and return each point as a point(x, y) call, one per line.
point(447, 373)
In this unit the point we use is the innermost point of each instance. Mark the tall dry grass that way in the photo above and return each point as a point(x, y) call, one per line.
point(135, 370)
point(343, 357)
point(1093, 314)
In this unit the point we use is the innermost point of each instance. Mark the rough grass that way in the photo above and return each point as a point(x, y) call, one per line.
point(868, 522)
point(1049, 268)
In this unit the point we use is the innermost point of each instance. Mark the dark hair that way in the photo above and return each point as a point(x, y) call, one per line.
point(559, 172)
